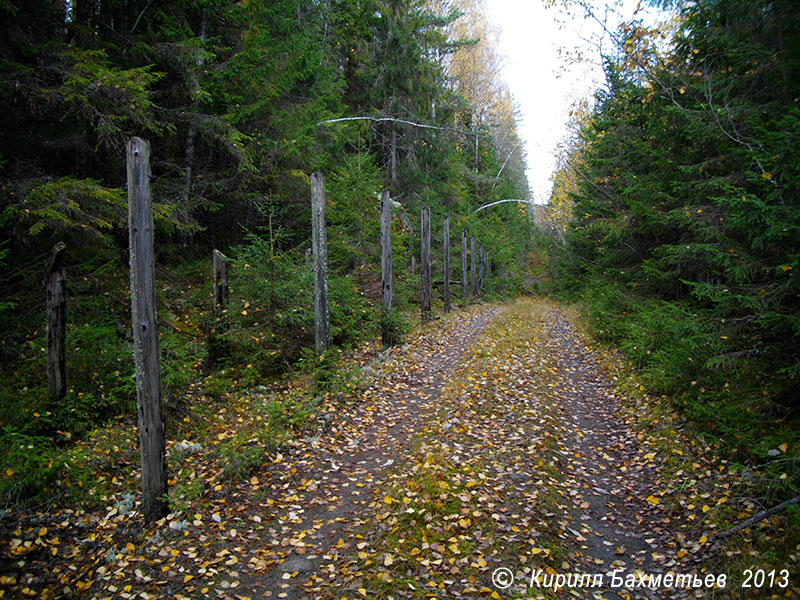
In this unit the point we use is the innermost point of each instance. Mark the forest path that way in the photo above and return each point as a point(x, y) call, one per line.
point(478, 451)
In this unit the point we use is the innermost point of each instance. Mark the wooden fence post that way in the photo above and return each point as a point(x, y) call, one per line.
point(463, 265)
point(481, 266)
point(387, 332)
point(221, 289)
point(55, 283)
point(446, 290)
point(146, 351)
point(473, 267)
point(319, 250)
point(425, 263)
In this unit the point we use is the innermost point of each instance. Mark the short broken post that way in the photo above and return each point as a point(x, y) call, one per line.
point(446, 290)
point(56, 324)
point(319, 251)
point(146, 351)
point(387, 332)
point(221, 289)
point(217, 347)
point(425, 264)
point(464, 265)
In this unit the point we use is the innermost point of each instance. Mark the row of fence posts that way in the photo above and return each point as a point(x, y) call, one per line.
point(146, 350)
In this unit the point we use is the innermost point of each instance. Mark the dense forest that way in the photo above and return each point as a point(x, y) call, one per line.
point(239, 101)
point(677, 217)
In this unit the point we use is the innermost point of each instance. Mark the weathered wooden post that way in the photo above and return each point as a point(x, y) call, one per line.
point(221, 289)
point(425, 264)
point(56, 285)
point(319, 251)
point(481, 265)
point(146, 351)
point(446, 289)
point(473, 267)
point(387, 334)
point(463, 265)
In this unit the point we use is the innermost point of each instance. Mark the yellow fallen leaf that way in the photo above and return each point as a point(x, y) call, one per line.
point(652, 500)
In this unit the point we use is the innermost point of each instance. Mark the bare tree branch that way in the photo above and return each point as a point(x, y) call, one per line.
point(759, 517)
point(501, 201)
point(403, 121)
point(503, 167)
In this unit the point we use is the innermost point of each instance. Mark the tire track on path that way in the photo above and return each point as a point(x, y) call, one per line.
point(607, 481)
point(329, 482)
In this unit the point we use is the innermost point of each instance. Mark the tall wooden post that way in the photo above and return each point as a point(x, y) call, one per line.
point(446, 289)
point(481, 266)
point(319, 251)
point(146, 351)
point(56, 324)
point(221, 289)
point(425, 263)
point(463, 265)
point(386, 267)
point(473, 267)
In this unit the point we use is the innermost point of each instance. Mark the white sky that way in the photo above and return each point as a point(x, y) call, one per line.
point(543, 84)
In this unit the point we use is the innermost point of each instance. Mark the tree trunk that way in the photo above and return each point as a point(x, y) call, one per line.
point(319, 251)
point(146, 349)
point(194, 89)
point(56, 325)
point(393, 158)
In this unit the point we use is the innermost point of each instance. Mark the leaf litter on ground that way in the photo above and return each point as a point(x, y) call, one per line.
point(464, 450)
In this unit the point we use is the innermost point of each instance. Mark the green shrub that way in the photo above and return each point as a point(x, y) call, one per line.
point(271, 315)
point(30, 470)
